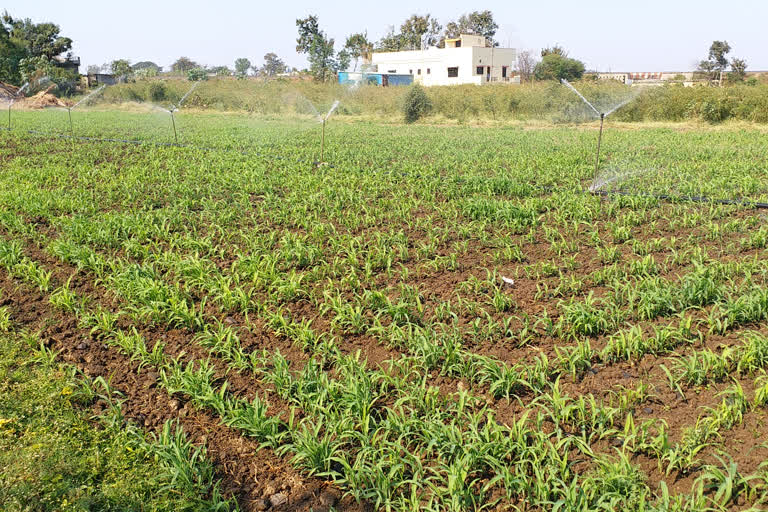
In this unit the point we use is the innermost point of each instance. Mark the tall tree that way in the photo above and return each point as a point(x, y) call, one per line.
point(242, 65)
point(420, 32)
point(391, 42)
point(476, 22)
point(147, 64)
point(273, 65)
point(738, 70)
point(526, 65)
point(11, 53)
point(318, 47)
point(357, 46)
point(183, 65)
point(26, 47)
point(221, 71)
point(38, 39)
point(554, 50)
point(120, 67)
point(717, 60)
point(554, 66)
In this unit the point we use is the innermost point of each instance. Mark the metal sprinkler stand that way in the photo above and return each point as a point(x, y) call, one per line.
point(71, 129)
point(322, 143)
point(599, 142)
point(173, 122)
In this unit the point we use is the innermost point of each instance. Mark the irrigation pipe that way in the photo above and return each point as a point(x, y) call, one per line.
point(671, 198)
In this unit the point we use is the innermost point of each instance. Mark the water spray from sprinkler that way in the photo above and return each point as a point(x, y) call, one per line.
point(88, 97)
point(18, 94)
point(324, 120)
point(175, 108)
point(83, 100)
point(601, 115)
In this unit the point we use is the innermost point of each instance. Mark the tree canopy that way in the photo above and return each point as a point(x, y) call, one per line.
point(183, 65)
point(357, 46)
point(323, 60)
point(120, 67)
point(475, 22)
point(554, 66)
point(27, 47)
point(147, 64)
point(242, 65)
point(273, 65)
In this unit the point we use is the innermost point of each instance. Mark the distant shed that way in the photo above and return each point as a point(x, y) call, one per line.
point(381, 79)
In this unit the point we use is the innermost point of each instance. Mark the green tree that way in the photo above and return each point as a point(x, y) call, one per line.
point(391, 42)
point(343, 59)
point(183, 65)
point(475, 22)
point(357, 46)
point(738, 70)
point(319, 48)
point(26, 47)
point(146, 64)
point(420, 32)
point(717, 60)
point(37, 39)
point(197, 75)
point(221, 71)
point(120, 67)
point(242, 65)
point(11, 53)
point(554, 50)
point(556, 67)
point(273, 65)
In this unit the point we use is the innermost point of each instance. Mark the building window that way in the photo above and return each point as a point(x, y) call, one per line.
point(503, 71)
point(479, 70)
point(410, 71)
point(453, 72)
point(458, 44)
point(418, 71)
point(429, 71)
point(392, 71)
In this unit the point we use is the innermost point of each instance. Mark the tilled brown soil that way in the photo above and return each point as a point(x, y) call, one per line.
point(258, 478)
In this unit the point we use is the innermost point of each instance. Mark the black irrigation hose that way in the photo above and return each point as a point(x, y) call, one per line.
point(692, 199)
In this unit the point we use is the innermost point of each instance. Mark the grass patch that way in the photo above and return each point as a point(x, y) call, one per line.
point(57, 457)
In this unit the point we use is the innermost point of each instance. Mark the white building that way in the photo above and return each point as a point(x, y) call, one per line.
point(467, 59)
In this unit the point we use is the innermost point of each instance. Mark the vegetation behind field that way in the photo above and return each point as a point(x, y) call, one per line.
point(542, 100)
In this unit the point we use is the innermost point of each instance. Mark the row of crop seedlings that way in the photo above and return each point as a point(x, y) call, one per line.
point(295, 251)
point(422, 450)
point(185, 467)
point(348, 404)
point(291, 289)
point(348, 316)
point(283, 321)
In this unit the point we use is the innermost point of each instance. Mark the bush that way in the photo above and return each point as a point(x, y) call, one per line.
point(548, 101)
point(416, 104)
point(157, 91)
point(197, 75)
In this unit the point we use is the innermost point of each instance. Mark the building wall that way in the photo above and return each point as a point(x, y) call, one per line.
point(648, 77)
point(430, 67)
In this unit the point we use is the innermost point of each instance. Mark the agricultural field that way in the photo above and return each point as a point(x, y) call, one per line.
point(432, 319)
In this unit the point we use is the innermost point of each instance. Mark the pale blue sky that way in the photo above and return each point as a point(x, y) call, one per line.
point(649, 35)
